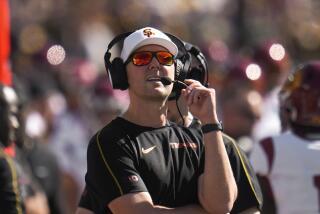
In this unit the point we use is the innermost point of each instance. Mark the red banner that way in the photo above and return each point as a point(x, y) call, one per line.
point(5, 73)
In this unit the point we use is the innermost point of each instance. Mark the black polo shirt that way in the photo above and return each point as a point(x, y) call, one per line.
point(166, 162)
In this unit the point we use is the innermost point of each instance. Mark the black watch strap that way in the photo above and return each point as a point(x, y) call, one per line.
point(212, 127)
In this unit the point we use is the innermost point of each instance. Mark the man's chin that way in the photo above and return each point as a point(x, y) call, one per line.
point(159, 96)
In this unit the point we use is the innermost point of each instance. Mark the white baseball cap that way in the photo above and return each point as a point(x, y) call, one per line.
point(146, 36)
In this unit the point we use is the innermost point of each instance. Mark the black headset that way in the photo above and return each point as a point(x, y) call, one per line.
point(189, 63)
point(197, 69)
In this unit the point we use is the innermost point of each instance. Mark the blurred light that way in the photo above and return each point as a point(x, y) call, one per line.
point(87, 72)
point(35, 125)
point(32, 39)
point(56, 54)
point(277, 52)
point(218, 51)
point(254, 98)
point(253, 71)
point(57, 103)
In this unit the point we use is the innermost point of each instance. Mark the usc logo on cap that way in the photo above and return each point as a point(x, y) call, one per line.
point(147, 32)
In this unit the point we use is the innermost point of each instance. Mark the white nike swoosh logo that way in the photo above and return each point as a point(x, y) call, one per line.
point(146, 151)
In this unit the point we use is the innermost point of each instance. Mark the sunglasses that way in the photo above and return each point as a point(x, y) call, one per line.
point(145, 57)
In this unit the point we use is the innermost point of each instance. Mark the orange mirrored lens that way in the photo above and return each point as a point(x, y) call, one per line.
point(144, 58)
point(165, 58)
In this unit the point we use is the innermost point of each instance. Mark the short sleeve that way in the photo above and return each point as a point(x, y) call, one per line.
point(85, 200)
point(249, 191)
point(112, 170)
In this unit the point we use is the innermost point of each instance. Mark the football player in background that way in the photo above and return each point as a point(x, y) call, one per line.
point(288, 164)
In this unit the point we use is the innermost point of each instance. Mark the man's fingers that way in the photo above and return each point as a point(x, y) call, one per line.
point(194, 95)
point(197, 96)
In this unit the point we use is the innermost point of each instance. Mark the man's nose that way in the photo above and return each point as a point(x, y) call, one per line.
point(154, 64)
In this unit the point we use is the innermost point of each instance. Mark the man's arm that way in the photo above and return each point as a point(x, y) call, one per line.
point(81, 210)
point(217, 186)
point(136, 203)
point(217, 189)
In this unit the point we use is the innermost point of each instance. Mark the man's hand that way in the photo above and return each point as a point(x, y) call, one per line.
point(201, 101)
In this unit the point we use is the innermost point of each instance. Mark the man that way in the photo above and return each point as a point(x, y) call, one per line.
point(140, 162)
point(10, 195)
point(288, 164)
point(23, 193)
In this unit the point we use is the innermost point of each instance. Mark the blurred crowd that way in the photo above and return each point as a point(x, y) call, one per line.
point(57, 49)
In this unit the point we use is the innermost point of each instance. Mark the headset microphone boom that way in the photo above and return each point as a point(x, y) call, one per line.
point(168, 81)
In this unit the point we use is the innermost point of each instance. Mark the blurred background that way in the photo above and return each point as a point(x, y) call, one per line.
point(56, 61)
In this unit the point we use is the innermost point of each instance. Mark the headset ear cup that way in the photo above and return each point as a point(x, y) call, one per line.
point(181, 71)
point(118, 74)
point(184, 66)
point(199, 67)
point(116, 69)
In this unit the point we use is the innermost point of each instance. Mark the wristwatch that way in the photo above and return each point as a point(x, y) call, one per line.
point(212, 127)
